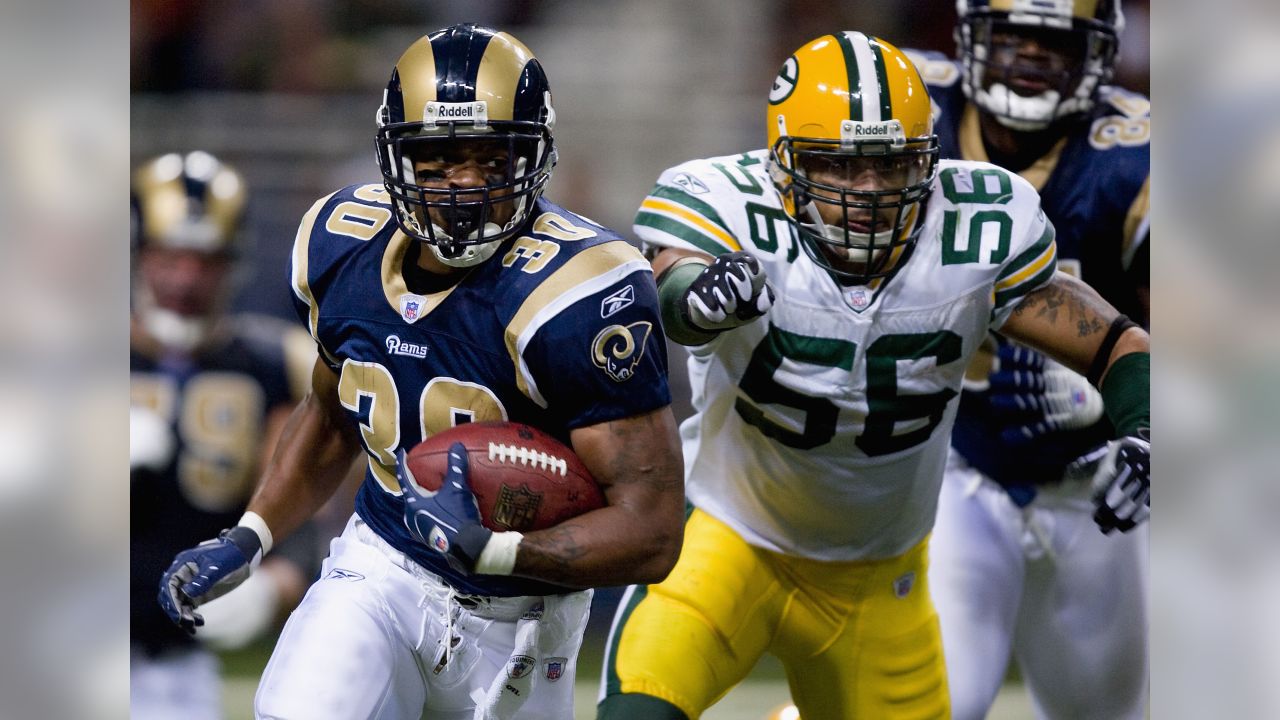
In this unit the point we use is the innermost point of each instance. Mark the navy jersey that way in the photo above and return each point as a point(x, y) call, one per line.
point(1094, 187)
point(559, 329)
point(216, 403)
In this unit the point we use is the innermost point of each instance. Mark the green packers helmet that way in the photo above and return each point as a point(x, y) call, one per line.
point(1003, 82)
point(466, 82)
point(855, 104)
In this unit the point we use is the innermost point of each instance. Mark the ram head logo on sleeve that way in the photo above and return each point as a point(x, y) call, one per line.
point(617, 349)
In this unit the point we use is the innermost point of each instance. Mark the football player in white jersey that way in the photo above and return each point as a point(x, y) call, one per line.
point(832, 288)
point(1018, 569)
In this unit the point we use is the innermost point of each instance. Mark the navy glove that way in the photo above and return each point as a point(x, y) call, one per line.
point(1034, 396)
point(207, 571)
point(447, 520)
point(1122, 484)
point(730, 292)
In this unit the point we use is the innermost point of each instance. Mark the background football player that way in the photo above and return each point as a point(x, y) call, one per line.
point(1018, 568)
point(833, 288)
point(518, 303)
point(209, 393)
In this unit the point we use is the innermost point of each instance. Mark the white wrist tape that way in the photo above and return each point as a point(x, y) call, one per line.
point(254, 522)
point(499, 554)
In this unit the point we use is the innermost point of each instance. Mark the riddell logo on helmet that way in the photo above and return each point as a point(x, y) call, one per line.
point(891, 130)
point(871, 130)
point(466, 111)
point(477, 112)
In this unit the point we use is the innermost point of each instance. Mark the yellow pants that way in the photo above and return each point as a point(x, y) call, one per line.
point(857, 639)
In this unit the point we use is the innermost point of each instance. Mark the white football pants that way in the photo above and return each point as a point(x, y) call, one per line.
point(1044, 585)
point(379, 636)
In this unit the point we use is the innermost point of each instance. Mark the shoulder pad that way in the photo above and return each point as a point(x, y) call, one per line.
point(936, 69)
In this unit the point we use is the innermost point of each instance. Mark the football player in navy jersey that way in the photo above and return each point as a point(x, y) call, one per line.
point(1018, 568)
point(209, 391)
point(453, 292)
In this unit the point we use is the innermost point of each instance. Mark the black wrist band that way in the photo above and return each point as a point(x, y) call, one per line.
point(245, 539)
point(1099, 364)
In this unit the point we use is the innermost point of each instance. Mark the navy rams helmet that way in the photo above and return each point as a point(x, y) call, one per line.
point(844, 106)
point(190, 205)
point(476, 85)
point(1030, 93)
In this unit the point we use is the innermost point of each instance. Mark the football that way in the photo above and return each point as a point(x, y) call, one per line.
point(523, 478)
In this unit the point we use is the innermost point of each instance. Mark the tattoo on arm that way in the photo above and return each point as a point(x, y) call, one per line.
point(638, 464)
point(1070, 301)
point(557, 547)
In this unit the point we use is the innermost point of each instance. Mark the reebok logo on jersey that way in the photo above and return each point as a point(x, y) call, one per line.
point(340, 574)
point(691, 184)
point(617, 301)
point(396, 346)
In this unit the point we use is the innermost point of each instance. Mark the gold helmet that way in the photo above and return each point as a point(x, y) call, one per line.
point(192, 201)
point(477, 84)
point(842, 106)
point(188, 205)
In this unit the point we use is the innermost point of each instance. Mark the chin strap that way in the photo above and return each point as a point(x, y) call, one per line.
point(472, 254)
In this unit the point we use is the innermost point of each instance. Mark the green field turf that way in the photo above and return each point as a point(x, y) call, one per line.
point(764, 690)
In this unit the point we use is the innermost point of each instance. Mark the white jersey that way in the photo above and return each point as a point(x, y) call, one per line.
point(821, 430)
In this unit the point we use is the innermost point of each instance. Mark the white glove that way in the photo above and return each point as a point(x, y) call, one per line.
point(730, 292)
point(1122, 485)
